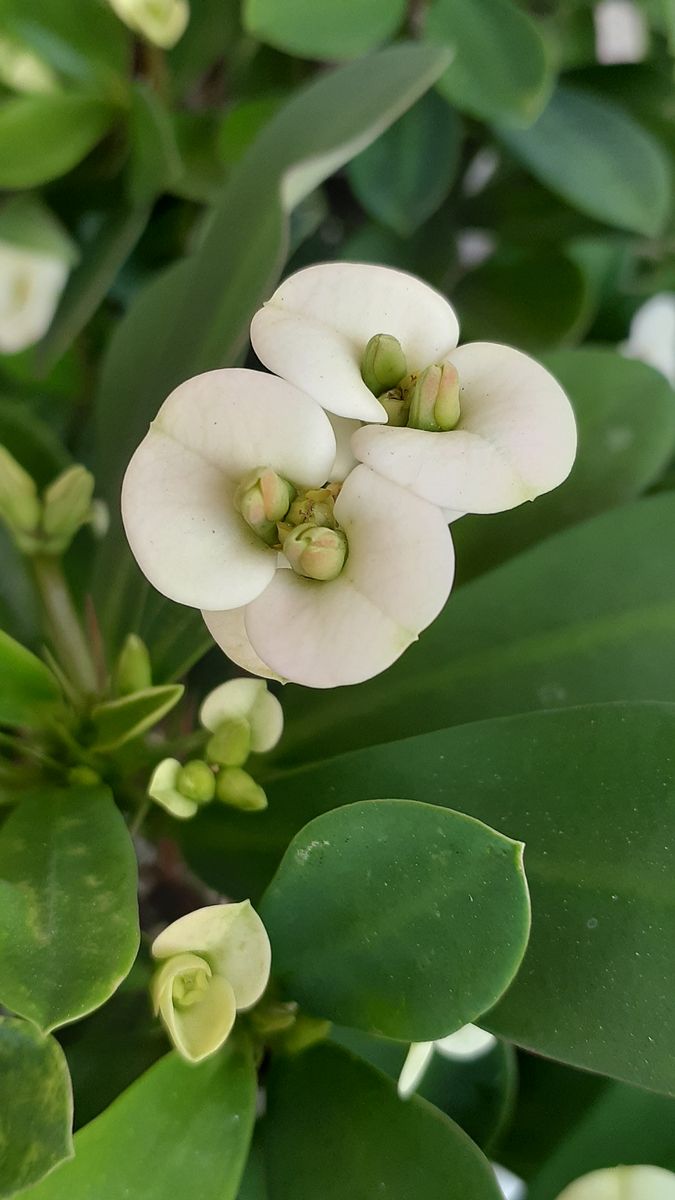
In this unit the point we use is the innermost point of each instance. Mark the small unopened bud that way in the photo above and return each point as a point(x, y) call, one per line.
point(133, 672)
point(196, 782)
point(230, 745)
point(316, 552)
point(238, 789)
point(263, 498)
point(162, 22)
point(434, 399)
point(383, 364)
point(20, 507)
point(67, 507)
point(315, 507)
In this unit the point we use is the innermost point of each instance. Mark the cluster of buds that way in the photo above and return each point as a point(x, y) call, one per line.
point(242, 718)
point(427, 400)
point(45, 524)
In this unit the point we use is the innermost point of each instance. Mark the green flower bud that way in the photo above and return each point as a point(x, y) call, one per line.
point(383, 364)
point(315, 507)
point(133, 672)
point(273, 1016)
point(263, 498)
point(230, 745)
point(434, 399)
point(163, 789)
point(20, 507)
point(236, 788)
point(67, 507)
point(316, 552)
point(196, 782)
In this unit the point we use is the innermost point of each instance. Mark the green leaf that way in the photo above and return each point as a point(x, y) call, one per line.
point(69, 918)
point(155, 161)
point(406, 174)
point(118, 721)
point(31, 441)
point(588, 615)
point(43, 137)
point(599, 159)
point(591, 793)
point(625, 414)
point(180, 1130)
point(500, 70)
point(83, 39)
point(395, 918)
point(335, 1119)
point(528, 300)
point(36, 1106)
point(334, 29)
point(29, 691)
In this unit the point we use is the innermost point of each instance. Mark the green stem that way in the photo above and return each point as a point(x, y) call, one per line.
point(63, 624)
point(141, 813)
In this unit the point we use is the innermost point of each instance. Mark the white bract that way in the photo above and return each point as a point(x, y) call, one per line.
point(652, 335)
point(623, 1183)
point(466, 1044)
point(507, 433)
point(162, 22)
point(215, 962)
point(30, 288)
point(244, 704)
point(23, 71)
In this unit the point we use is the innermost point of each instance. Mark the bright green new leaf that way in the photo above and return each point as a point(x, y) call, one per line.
point(36, 1106)
point(500, 69)
point(395, 918)
point(118, 721)
point(598, 158)
point(624, 446)
point(179, 1130)
point(334, 29)
point(406, 174)
point(531, 301)
point(43, 137)
point(69, 916)
point(29, 691)
point(336, 1128)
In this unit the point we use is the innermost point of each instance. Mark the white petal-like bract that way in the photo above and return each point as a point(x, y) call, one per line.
point(30, 288)
point(623, 1183)
point(232, 939)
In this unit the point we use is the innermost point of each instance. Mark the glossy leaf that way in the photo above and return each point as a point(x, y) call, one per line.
point(68, 920)
point(178, 1130)
point(532, 301)
point(394, 918)
point(36, 1106)
point(29, 691)
point(597, 157)
point(588, 615)
point(335, 1119)
point(625, 414)
point(118, 721)
point(334, 29)
point(500, 69)
point(405, 175)
point(43, 137)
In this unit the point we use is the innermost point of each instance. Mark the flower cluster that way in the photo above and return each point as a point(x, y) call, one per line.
point(306, 512)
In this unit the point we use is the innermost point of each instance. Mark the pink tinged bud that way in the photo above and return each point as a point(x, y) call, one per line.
point(263, 498)
point(316, 552)
point(434, 399)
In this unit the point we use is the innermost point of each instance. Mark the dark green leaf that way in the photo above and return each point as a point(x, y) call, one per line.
point(394, 918)
point(31, 441)
point(500, 70)
point(337, 1123)
point(155, 162)
point(118, 721)
point(29, 691)
point(180, 1130)
point(42, 137)
point(334, 29)
point(597, 158)
point(69, 919)
point(36, 1106)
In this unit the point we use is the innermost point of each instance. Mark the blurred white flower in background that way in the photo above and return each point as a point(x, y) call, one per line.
point(465, 1045)
point(652, 335)
point(36, 256)
point(621, 32)
point(162, 22)
point(22, 70)
point(623, 1183)
point(511, 1186)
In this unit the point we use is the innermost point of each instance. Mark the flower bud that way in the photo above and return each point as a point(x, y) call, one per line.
point(244, 700)
point(67, 507)
point(20, 507)
point(133, 672)
point(315, 507)
point(163, 789)
point(230, 745)
point(383, 364)
point(196, 782)
point(23, 71)
point(236, 788)
point(162, 22)
point(263, 498)
point(316, 552)
point(434, 399)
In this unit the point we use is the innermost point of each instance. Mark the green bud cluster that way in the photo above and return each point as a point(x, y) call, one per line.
point(263, 498)
point(44, 524)
point(428, 400)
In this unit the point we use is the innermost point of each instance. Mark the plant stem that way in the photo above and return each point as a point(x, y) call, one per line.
point(63, 624)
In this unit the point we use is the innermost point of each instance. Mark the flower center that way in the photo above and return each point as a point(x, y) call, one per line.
point(301, 525)
point(189, 987)
point(428, 400)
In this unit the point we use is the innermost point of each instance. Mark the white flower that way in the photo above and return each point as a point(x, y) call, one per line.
point(245, 701)
point(464, 1045)
point(652, 335)
point(215, 963)
point(515, 436)
point(30, 287)
point(23, 71)
point(160, 21)
point(623, 1183)
point(621, 32)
